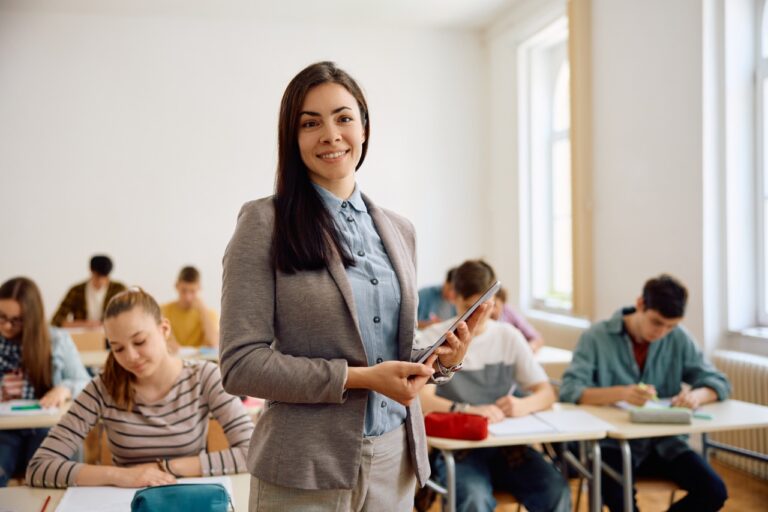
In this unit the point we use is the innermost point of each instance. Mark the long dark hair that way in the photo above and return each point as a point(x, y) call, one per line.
point(305, 236)
point(35, 336)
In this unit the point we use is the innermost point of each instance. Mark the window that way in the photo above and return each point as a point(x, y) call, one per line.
point(546, 167)
point(761, 99)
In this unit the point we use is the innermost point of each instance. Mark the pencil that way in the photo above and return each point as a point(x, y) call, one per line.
point(45, 503)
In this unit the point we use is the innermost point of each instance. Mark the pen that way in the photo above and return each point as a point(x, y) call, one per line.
point(33, 407)
point(643, 386)
point(45, 504)
point(702, 416)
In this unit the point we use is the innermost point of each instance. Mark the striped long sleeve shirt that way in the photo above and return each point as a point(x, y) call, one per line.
point(174, 426)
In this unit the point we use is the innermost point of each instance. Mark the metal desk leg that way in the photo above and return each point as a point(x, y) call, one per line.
point(595, 488)
point(450, 479)
point(626, 474)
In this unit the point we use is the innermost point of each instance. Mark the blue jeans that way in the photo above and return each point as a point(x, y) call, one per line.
point(16, 448)
point(706, 490)
point(531, 480)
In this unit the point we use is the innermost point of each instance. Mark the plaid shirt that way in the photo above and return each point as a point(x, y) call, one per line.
point(10, 361)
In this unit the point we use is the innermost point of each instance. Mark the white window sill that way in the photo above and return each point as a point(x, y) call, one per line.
point(558, 318)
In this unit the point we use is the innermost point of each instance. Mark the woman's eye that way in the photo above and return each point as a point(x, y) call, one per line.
point(137, 343)
point(309, 124)
point(117, 350)
point(346, 119)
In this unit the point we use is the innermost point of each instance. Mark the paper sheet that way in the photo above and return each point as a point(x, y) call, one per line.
point(664, 403)
point(519, 426)
point(118, 499)
point(573, 421)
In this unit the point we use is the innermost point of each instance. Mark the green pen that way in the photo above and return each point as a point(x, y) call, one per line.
point(31, 407)
point(702, 416)
point(643, 385)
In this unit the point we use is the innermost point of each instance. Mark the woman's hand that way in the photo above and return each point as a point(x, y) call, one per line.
point(142, 475)
point(693, 398)
point(55, 397)
point(452, 352)
point(399, 380)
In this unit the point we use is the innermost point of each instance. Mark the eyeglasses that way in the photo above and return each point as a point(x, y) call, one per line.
point(15, 321)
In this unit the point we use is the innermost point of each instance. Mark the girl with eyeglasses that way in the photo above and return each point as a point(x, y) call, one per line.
point(36, 362)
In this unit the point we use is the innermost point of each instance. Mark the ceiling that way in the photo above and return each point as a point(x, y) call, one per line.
point(456, 14)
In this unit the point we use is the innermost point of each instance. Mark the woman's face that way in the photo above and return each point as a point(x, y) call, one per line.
point(137, 341)
point(10, 319)
point(331, 136)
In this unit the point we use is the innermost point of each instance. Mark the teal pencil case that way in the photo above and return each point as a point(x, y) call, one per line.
point(182, 497)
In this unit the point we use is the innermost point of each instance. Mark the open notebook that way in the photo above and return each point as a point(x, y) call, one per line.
point(550, 421)
point(118, 499)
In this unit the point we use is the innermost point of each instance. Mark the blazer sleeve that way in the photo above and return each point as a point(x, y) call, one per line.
point(249, 364)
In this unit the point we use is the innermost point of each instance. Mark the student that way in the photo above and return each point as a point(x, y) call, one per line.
point(36, 362)
point(193, 324)
point(154, 408)
point(436, 302)
point(642, 352)
point(503, 312)
point(498, 362)
point(84, 304)
point(318, 316)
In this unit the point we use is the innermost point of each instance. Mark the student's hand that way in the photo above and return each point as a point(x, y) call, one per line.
point(143, 475)
point(694, 398)
point(55, 397)
point(12, 385)
point(399, 380)
point(636, 394)
point(452, 352)
point(536, 344)
point(490, 411)
point(511, 406)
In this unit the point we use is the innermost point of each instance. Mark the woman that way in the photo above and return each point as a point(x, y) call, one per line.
point(318, 317)
point(36, 362)
point(154, 408)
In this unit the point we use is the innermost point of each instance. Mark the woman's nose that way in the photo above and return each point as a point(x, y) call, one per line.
point(331, 134)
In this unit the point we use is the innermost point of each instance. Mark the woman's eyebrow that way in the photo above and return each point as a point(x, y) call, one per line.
point(310, 113)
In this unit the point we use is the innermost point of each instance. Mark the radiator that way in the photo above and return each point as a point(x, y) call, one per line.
point(749, 377)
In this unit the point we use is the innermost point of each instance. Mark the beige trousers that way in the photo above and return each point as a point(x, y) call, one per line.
point(386, 482)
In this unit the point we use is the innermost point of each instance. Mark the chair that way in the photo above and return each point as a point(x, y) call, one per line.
point(88, 340)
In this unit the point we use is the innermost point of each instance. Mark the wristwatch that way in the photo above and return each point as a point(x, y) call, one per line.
point(448, 370)
point(459, 407)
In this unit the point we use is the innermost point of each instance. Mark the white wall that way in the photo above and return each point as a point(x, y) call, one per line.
point(648, 151)
point(140, 135)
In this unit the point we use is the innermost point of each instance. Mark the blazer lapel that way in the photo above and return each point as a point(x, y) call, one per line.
point(397, 255)
point(339, 274)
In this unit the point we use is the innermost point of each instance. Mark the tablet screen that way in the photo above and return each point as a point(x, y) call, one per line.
point(423, 354)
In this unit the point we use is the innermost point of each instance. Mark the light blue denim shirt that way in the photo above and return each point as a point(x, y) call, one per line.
point(377, 299)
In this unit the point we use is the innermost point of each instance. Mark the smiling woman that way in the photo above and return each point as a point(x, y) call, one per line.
point(318, 317)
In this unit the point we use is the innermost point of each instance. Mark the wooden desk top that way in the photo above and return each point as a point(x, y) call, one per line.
point(727, 415)
point(33, 421)
point(31, 499)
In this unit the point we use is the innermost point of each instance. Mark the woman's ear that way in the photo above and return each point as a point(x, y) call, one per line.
point(165, 328)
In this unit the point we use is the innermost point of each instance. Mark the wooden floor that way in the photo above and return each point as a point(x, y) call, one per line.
point(746, 494)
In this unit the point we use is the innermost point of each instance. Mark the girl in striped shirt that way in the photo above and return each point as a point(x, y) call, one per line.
point(154, 409)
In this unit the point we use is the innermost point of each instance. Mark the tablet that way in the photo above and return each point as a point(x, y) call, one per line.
point(424, 353)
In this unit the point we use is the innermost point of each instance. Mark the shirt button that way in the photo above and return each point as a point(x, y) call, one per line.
point(374, 281)
point(361, 253)
point(379, 360)
point(350, 219)
point(344, 204)
point(376, 319)
point(383, 403)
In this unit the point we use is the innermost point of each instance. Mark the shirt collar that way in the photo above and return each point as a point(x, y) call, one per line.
point(616, 323)
point(333, 203)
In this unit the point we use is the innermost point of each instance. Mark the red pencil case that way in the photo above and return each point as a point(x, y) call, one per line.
point(456, 425)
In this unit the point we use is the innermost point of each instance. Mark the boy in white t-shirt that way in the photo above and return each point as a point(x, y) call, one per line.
point(499, 362)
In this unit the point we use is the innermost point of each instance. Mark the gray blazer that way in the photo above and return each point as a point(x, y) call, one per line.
point(290, 338)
